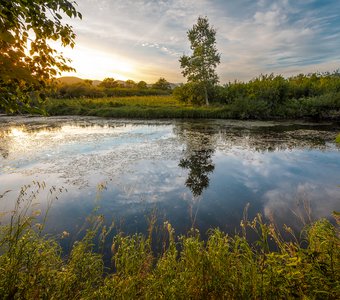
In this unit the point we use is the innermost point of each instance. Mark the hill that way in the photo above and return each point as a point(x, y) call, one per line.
point(69, 80)
point(74, 79)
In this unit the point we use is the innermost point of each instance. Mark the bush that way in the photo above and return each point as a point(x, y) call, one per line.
point(79, 90)
point(190, 93)
point(129, 92)
point(244, 108)
point(277, 90)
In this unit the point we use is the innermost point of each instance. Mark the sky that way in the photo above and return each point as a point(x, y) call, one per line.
point(144, 39)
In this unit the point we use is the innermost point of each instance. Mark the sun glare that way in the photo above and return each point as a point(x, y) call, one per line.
point(17, 132)
point(95, 64)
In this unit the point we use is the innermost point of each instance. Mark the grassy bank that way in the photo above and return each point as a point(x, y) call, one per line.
point(222, 267)
point(147, 107)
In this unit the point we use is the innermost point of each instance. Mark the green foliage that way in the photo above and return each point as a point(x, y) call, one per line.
point(244, 108)
point(109, 87)
point(337, 139)
point(190, 93)
point(130, 84)
point(82, 272)
point(78, 90)
point(265, 97)
point(109, 83)
point(27, 61)
point(142, 85)
point(200, 66)
point(146, 107)
point(277, 90)
point(161, 84)
point(269, 88)
point(129, 92)
point(221, 267)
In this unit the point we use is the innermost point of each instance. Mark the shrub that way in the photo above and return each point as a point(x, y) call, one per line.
point(190, 93)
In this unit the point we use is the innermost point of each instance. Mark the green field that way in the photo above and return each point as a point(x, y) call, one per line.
point(321, 107)
point(145, 107)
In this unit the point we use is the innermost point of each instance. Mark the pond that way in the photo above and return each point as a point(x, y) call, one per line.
point(191, 173)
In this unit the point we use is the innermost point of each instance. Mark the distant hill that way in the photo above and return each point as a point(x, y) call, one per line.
point(69, 79)
point(74, 79)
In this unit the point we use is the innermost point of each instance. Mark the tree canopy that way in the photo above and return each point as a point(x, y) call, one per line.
point(162, 84)
point(27, 60)
point(142, 84)
point(109, 82)
point(200, 67)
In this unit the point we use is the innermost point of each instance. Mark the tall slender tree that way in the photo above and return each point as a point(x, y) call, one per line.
point(200, 66)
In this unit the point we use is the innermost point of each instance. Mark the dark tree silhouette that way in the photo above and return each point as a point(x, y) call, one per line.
point(200, 165)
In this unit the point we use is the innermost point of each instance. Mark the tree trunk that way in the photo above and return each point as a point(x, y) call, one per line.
point(206, 96)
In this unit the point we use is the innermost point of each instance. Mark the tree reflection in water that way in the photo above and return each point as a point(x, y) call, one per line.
point(200, 142)
point(200, 146)
point(200, 165)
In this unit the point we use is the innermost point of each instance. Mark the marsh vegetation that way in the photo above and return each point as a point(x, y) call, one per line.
point(33, 265)
point(313, 96)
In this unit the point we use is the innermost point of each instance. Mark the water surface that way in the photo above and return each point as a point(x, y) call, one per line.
point(200, 173)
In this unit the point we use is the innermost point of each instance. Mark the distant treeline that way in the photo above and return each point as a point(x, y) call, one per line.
point(313, 96)
point(277, 89)
point(110, 87)
point(269, 96)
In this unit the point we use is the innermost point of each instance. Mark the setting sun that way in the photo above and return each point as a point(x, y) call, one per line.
point(95, 64)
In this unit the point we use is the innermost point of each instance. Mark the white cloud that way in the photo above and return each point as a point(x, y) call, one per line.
point(253, 36)
point(300, 201)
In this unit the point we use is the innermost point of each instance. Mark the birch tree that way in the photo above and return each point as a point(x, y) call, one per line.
point(200, 67)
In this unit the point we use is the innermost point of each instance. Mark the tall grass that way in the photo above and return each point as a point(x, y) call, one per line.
point(32, 265)
point(132, 107)
point(165, 101)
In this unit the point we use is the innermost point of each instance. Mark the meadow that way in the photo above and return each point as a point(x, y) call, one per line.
point(321, 107)
point(145, 107)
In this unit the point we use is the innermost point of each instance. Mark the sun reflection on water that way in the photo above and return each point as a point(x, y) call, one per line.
point(167, 164)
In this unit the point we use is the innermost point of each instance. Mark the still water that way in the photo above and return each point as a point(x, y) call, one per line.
point(200, 173)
